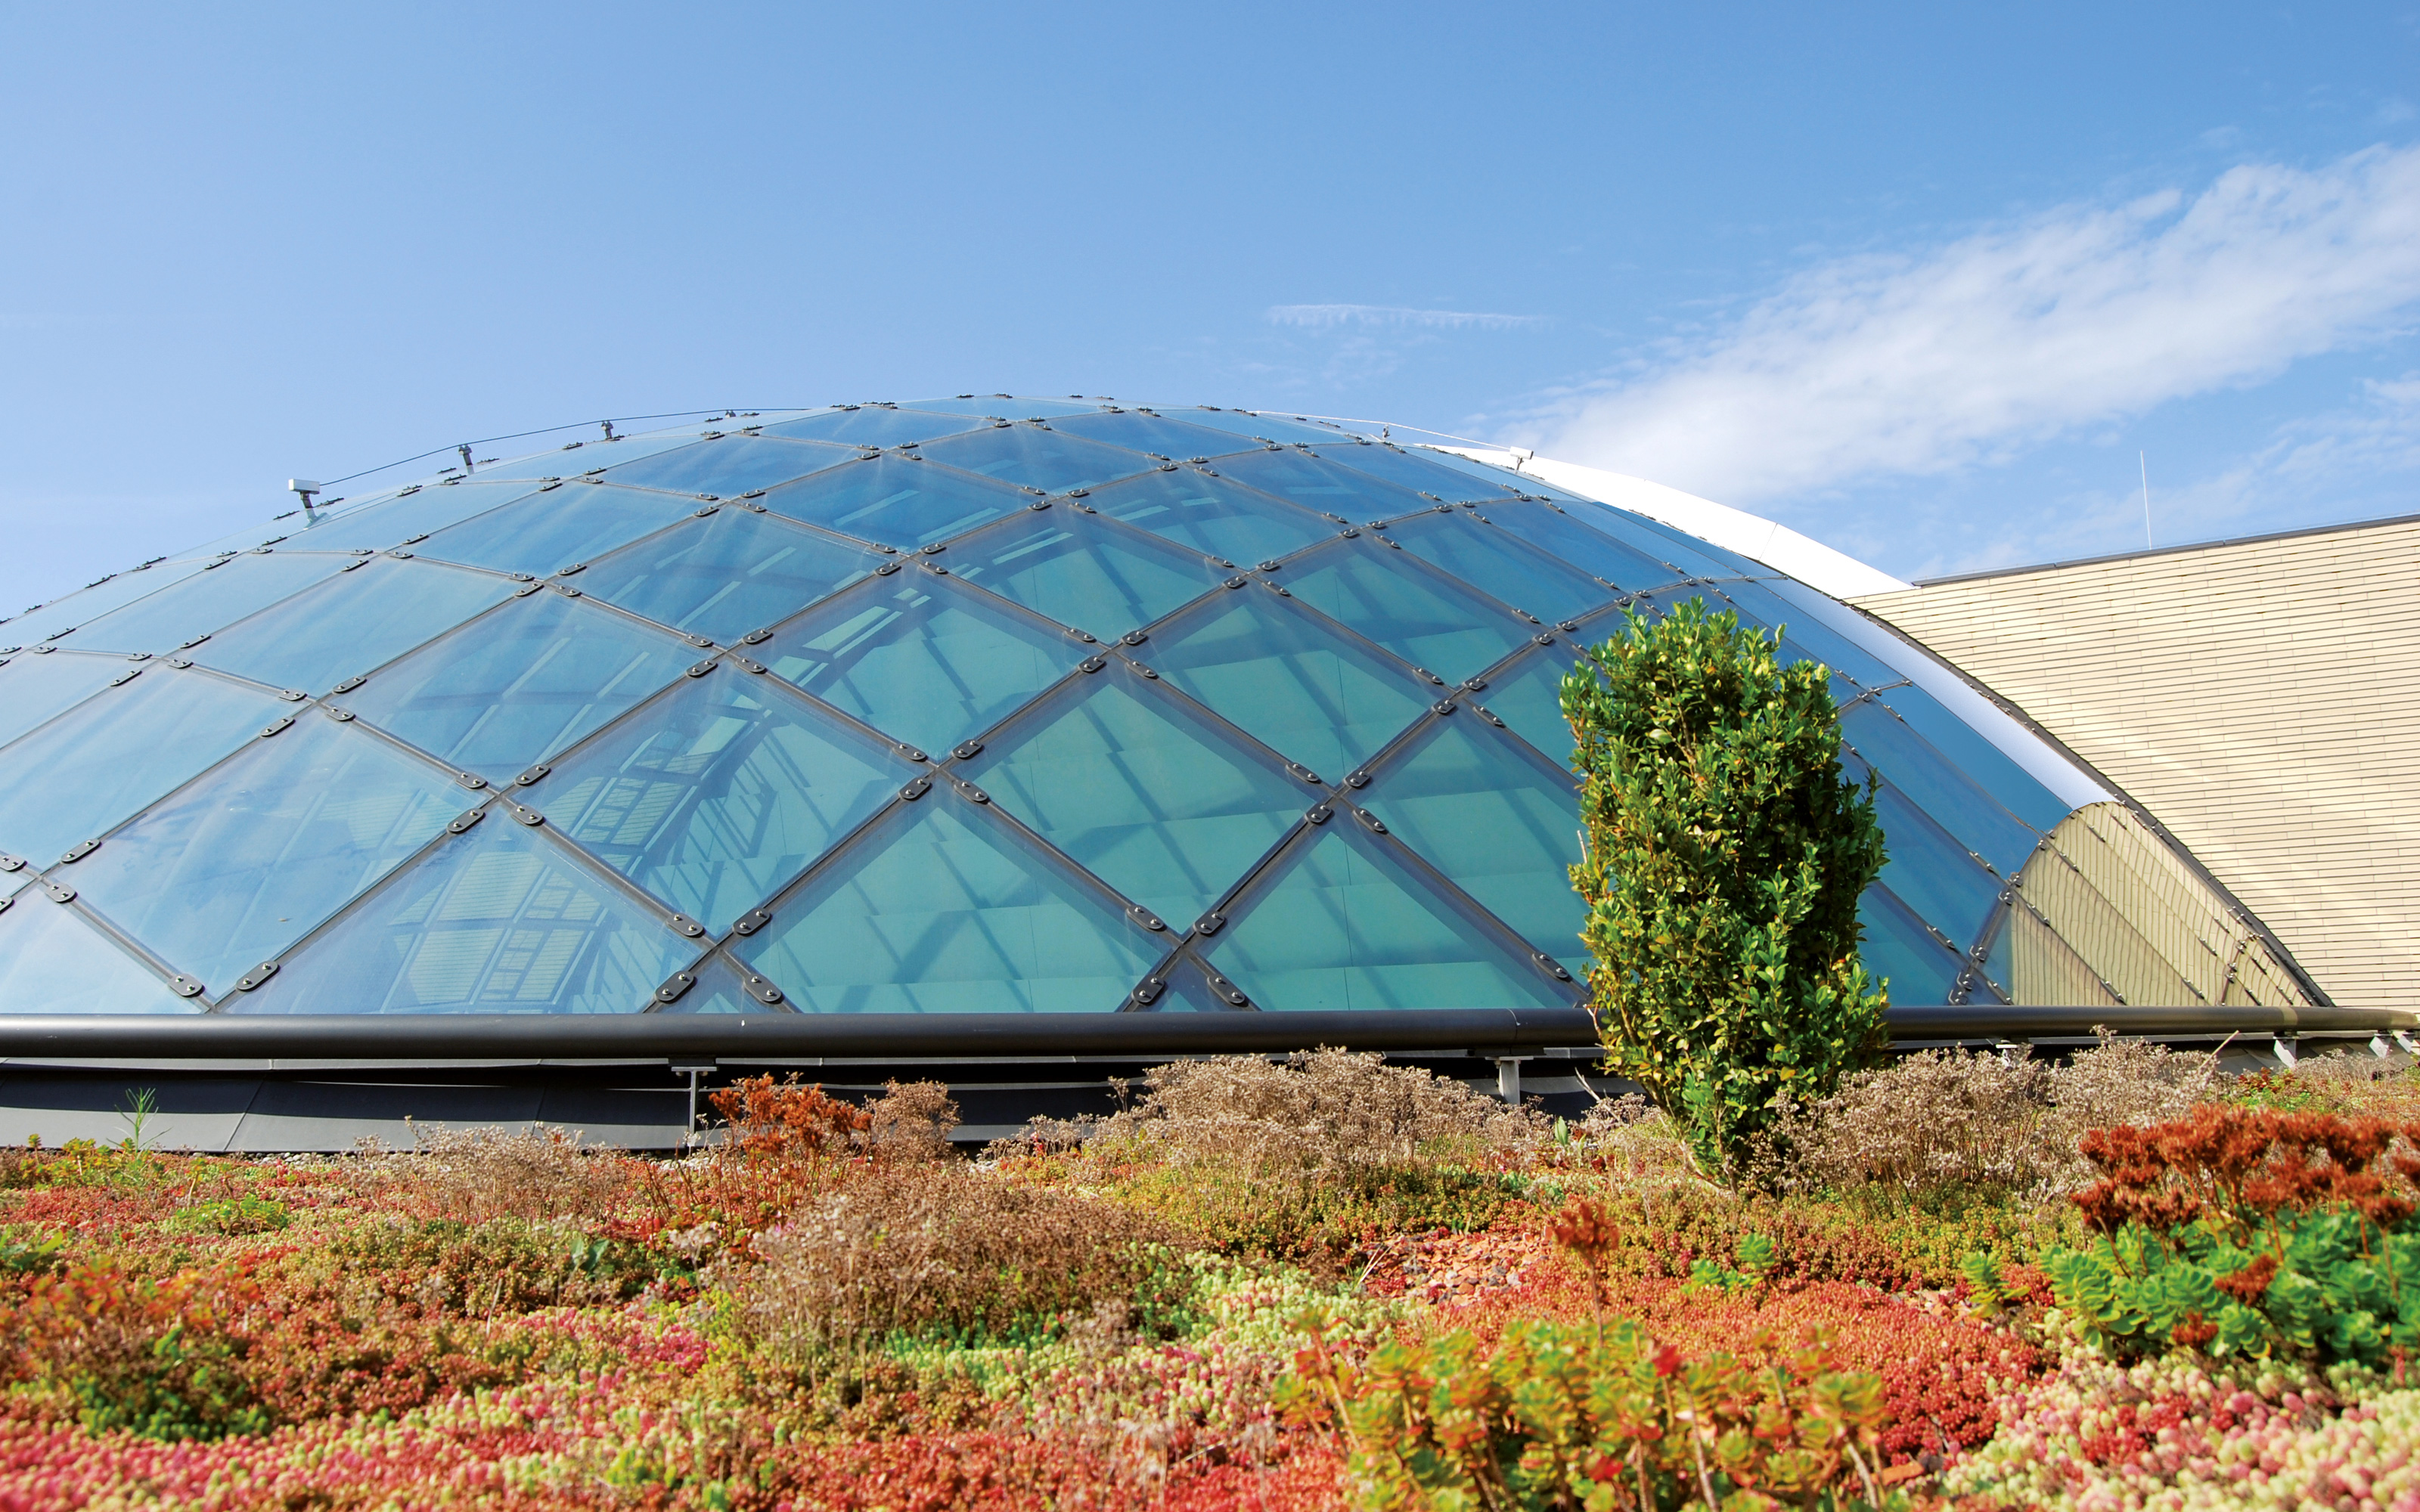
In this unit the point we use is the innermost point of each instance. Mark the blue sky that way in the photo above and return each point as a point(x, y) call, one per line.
point(1920, 281)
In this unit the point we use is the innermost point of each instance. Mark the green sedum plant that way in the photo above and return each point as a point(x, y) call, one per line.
point(1725, 854)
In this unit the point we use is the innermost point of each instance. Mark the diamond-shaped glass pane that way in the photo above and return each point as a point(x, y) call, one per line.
point(384, 526)
point(97, 764)
point(1697, 557)
point(941, 911)
point(1031, 456)
point(1592, 551)
point(587, 455)
point(1153, 800)
point(350, 624)
point(35, 687)
point(1897, 947)
point(1494, 820)
point(1419, 617)
point(921, 658)
point(496, 920)
point(557, 527)
point(242, 863)
point(1067, 566)
point(1408, 470)
point(728, 466)
point(895, 501)
point(1529, 699)
point(1308, 693)
point(1984, 763)
point(1931, 873)
point(718, 793)
point(1006, 407)
point(1341, 924)
point(1315, 482)
point(1212, 516)
point(731, 573)
point(874, 426)
point(1140, 432)
point(50, 621)
point(520, 684)
point(1807, 634)
point(1245, 424)
point(1952, 798)
point(1500, 567)
point(52, 962)
point(205, 602)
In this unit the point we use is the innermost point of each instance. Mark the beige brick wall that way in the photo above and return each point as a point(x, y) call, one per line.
point(2258, 697)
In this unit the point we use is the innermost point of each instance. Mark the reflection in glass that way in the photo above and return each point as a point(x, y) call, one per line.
point(52, 962)
point(34, 687)
point(1315, 482)
point(1155, 802)
point(1412, 470)
point(1930, 872)
point(1136, 431)
point(1953, 800)
point(874, 426)
point(206, 601)
point(1500, 567)
point(1982, 762)
point(1427, 620)
point(497, 920)
point(1919, 968)
point(895, 501)
point(729, 466)
point(520, 685)
point(1067, 566)
point(1342, 925)
point(944, 913)
point(1297, 687)
point(1493, 819)
point(731, 573)
point(919, 658)
point(350, 624)
point(547, 531)
point(96, 765)
point(242, 863)
point(1212, 516)
point(1032, 457)
point(718, 793)
point(1590, 550)
point(1529, 699)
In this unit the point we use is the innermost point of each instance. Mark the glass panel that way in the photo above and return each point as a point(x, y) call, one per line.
point(1199, 510)
point(1932, 872)
point(34, 687)
point(1985, 763)
point(1699, 557)
point(1530, 700)
point(1426, 621)
point(102, 761)
point(1068, 567)
point(1006, 407)
point(497, 920)
point(731, 573)
point(1414, 472)
point(208, 601)
point(921, 658)
point(521, 684)
point(350, 624)
point(47, 621)
point(1188, 991)
point(240, 865)
point(1309, 694)
point(729, 466)
point(895, 501)
point(384, 526)
point(718, 793)
point(1920, 969)
point(1033, 458)
point(1810, 635)
point(590, 456)
point(946, 914)
point(1496, 478)
point(1251, 426)
point(1159, 805)
point(1592, 551)
point(545, 532)
point(1479, 810)
point(718, 990)
point(1315, 482)
point(1151, 433)
point(1500, 567)
point(1344, 926)
point(1951, 798)
point(871, 426)
point(52, 962)
point(2039, 969)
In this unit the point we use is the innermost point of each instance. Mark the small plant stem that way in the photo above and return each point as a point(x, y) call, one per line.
point(1873, 1498)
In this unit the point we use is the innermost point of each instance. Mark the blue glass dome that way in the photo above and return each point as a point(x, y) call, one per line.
point(980, 706)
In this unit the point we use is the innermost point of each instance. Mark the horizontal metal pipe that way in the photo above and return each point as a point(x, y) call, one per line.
point(947, 1036)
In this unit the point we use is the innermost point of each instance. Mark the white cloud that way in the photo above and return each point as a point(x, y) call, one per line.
point(1925, 363)
point(1324, 317)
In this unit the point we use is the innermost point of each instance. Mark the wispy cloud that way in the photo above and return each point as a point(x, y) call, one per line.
point(1923, 363)
point(1326, 316)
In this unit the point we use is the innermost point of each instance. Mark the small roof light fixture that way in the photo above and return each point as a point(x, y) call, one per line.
point(307, 488)
point(1521, 455)
point(465, 450)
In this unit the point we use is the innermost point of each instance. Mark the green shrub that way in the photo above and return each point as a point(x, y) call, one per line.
point(1725, 856)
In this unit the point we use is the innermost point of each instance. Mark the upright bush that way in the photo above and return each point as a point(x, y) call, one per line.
point(1725, 854)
